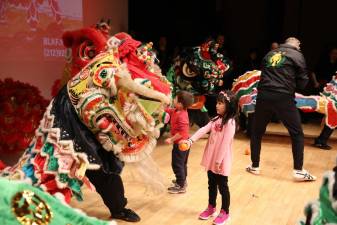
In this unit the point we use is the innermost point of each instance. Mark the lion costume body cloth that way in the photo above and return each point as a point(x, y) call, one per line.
point(111, 111)
point(245, 88)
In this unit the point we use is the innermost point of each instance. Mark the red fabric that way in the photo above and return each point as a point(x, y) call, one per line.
point(67, 193)
point(128, 46)
point(127, 52)
point(157, 84)
point(179, 123)
point(48, 180)
point(2, 165)
point(331, 116)
point(245, 83)
point(138, 70)
point(123, 35)
point(76, 40)
point(199, 102)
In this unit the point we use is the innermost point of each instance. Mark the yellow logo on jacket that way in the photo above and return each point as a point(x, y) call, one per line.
point(276, 60)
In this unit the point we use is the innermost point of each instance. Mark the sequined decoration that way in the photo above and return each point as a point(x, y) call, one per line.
point(30, 209)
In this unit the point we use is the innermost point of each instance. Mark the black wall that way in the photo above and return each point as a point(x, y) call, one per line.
point(246, 23)
point(184, 22)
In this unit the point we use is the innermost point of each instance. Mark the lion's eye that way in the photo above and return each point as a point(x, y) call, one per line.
point(103, 73)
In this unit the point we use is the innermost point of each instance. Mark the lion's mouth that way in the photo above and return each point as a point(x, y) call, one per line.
point(148, 98)
point(120, 128)
point(126, 130)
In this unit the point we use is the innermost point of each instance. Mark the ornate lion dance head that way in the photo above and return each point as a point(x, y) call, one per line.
point(199, 70)
point(123, 111)
point(123, 75)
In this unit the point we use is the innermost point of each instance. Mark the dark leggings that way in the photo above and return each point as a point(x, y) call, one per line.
point(215, 182)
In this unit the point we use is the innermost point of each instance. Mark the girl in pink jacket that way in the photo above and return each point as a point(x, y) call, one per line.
point(217, 158)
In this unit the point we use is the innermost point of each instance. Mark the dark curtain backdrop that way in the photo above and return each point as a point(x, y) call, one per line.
point(246, 24)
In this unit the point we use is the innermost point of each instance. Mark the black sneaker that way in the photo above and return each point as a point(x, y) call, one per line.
point(174, 182)
point(176, 189)
point(127, 214)
point(322, 146)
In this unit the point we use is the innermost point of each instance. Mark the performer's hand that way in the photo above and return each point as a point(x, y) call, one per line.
point(168, 141)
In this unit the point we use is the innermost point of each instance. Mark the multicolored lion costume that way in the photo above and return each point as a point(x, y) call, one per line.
point(200, 71)
point(323, 211)
point(113, 107)
point(245, 89)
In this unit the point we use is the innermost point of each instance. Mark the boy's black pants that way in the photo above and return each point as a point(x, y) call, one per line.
point(179, 164)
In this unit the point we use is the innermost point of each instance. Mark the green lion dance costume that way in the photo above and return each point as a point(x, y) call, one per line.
point(111, 109)
point(200, 71)
point(324, 210)
point(24, 204)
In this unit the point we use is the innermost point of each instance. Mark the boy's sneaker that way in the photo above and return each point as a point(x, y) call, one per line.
point(174, 182)
point(222, 218)
point(176, 189)
point(303, 175)
point(207, 213)
point(253, 170)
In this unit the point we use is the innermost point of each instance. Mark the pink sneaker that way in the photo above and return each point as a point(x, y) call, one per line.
point(222, 218)
point(207, 213)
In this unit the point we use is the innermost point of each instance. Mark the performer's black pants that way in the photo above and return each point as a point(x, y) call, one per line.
point(111, 189)
point(215, 182)
point(287, 113)
point(246, 122)
point(325, 135)
point(179, 164)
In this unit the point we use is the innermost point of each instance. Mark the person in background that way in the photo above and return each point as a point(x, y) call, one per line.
point(274, 45)
point(252, 62)
point(325, 69)
point(163, 54)
point(283, 70)
point(322, 140)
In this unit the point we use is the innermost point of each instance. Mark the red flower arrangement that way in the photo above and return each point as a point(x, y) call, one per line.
point(21, 109)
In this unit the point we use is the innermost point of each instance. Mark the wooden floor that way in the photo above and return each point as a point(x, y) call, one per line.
point(272, 198)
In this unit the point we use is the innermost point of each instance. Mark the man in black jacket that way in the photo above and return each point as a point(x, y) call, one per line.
point(283, 71)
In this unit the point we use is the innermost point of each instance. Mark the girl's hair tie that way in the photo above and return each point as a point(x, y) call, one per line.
point(225, 95)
